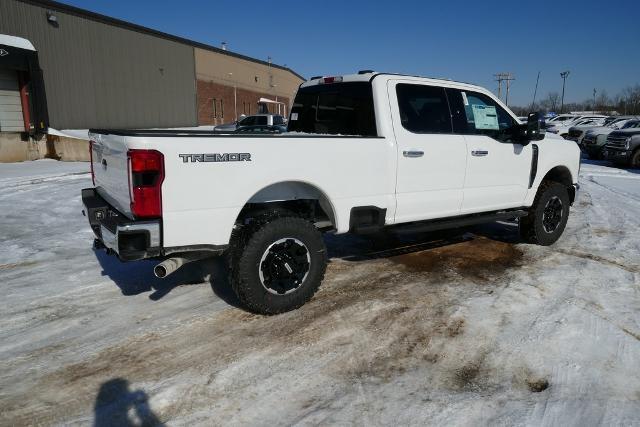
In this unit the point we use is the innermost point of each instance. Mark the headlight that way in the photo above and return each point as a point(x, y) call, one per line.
point(627, 143)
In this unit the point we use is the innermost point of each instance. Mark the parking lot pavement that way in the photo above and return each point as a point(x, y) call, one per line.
point(464, 327)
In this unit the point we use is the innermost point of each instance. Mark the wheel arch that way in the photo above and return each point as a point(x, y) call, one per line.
point(293, 196)
point(562, 175)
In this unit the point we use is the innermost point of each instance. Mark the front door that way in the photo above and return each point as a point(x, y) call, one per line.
point(498, 169)
point(431, 159)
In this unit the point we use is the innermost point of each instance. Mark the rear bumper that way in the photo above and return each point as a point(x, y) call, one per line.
point(129, 239)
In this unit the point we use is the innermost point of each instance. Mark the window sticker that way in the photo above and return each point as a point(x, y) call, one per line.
point(294, 116)
point(485, 117)
point(464, 98)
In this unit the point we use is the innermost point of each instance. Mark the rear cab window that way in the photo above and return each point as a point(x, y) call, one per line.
point(335, 109)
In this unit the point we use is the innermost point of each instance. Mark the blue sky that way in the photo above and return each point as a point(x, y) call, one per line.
point(462, 40)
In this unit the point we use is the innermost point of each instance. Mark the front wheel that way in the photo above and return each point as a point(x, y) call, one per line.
point(278, 265)
point(548, 215)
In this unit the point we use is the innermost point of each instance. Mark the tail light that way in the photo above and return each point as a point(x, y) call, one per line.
point(93, 174)
point(146, 173)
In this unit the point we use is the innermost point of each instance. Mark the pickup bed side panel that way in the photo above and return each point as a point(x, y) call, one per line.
point(202, 199)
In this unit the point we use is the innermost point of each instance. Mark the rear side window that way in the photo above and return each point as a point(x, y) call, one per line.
point(423, 109)
point(336, 109)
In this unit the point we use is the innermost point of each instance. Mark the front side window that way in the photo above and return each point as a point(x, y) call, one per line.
point(278, 120)
point(476, 113)
point(261, 120)
point(423, 109)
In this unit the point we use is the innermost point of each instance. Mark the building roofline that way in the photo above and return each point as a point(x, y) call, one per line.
point(83, 13)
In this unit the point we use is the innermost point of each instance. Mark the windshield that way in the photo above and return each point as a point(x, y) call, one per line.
point(336, 109)
point(631, 124)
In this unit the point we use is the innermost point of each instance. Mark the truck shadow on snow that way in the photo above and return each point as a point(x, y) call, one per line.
point(429, 251)
point(134, 278)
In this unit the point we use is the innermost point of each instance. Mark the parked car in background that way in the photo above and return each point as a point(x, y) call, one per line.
point(577, 132)
point(623, 147)
point(562, 128)
point(560, 118)
point(254, 120)
point(261, 129)
point(595, 139)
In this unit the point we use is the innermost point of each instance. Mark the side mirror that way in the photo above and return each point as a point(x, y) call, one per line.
point(535, 128)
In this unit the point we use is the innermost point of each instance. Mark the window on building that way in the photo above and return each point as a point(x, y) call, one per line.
point(215, 108)
point(222, 108)
point(423, 109)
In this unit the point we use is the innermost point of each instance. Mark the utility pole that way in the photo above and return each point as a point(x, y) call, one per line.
point(235, 96)
point(594, 98)
point(535, 92)
point(504, 77)
point(564, 76)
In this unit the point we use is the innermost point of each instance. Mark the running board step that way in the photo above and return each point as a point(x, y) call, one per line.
point(459, 221)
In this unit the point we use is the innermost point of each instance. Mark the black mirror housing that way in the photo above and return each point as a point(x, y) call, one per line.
point(535, 128)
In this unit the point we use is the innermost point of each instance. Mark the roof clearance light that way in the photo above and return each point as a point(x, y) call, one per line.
point(328, 80)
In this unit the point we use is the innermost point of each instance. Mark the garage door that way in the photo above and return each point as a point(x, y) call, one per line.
point(10, 107)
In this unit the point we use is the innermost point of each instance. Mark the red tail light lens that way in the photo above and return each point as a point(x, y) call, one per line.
point(146, 173)
point(93, 174)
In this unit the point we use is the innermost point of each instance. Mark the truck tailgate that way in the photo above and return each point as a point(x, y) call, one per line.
point(109, 157)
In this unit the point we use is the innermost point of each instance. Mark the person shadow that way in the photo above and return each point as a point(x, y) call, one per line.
point(117, 405)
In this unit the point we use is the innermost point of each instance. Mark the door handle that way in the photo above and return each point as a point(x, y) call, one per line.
point(479, 153)
point(413, 153)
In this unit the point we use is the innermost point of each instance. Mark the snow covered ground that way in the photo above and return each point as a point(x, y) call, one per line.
point(459, 328)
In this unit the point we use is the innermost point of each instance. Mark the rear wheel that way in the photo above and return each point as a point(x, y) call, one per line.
point(548, 215)
point(277, 264)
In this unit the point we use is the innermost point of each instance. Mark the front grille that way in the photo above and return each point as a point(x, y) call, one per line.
point(575, 133)
point(619, 142)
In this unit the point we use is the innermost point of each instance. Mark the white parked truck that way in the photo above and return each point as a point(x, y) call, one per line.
point(363, 152)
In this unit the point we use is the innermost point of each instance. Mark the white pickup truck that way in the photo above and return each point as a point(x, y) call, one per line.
point(363, 152)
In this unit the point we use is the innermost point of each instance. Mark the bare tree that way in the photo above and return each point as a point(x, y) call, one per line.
point(550, 103)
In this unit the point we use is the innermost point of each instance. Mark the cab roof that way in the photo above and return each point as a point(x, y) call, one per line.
point(368, 75)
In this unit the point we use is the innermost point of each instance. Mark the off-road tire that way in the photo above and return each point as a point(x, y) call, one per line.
point(248, 246)
point(532, 229)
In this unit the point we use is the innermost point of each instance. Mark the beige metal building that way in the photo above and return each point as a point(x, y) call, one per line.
point(101, 72)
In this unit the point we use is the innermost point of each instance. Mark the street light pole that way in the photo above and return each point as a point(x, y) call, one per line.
point(564, 76)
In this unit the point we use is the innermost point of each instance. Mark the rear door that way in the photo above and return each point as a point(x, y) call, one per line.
point(498, 169)
point(431, 159)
